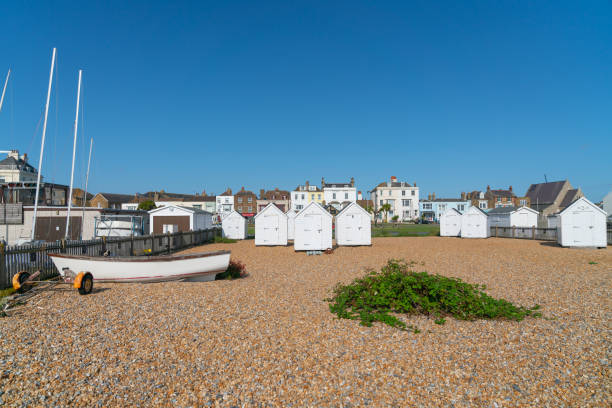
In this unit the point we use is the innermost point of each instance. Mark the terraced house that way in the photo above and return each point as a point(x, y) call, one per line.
point(304, 194)
point(403, 198)
point(496, 198)
point(245, 202)
point(280, 198)
point(339, 195)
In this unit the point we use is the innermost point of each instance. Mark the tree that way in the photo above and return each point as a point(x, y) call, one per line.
point(386, 208)
point(395, 218)
point(374, 212)
point(147, 205)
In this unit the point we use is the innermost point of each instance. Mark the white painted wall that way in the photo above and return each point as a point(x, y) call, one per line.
point(582, 224)
point(474, 224)
point(291, 224)
point(523, 217)
point(234, 226)
point(313, 229)
point(339, 194)
point(450, 223)
point(404, 200)
point(353, 226)
point(270, 227)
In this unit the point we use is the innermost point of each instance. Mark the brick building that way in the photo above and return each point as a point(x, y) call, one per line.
point(279, 197)
point(245, 203)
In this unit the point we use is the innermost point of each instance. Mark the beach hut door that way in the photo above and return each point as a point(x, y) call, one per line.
point(313, 229)
point(583, 227)
point(271, 228)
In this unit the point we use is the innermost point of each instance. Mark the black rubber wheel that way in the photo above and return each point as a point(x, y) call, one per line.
point(86, 284)
point(24, 287)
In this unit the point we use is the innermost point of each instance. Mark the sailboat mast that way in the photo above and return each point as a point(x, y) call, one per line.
point(76, 124)
point(4, 89)
point(86, 181)
point(42, 145)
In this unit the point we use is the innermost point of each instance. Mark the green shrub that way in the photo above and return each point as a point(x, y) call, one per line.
point(397, 289)
point(235, 270)
point(223, 240)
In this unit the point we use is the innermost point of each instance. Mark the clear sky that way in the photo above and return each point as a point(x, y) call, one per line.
point(187, 96)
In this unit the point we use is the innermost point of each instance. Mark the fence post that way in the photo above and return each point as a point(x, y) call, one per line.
point(63, 246)
point(103, 244)
point(496, 231)
point(533, 234)
point(513, 231)
point(3, 270)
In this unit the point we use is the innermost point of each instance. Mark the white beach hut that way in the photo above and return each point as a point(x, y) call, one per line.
point(313, 228)
point(450, 223)
point(353, 226)
point(271, 226)
point(291, 224)
point(176, 218)
point(523, 217)
point(475, 223)
point(582, 224)
point(234, 226)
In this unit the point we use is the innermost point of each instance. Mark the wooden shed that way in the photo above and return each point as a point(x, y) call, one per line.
point(475, 223)
point(291, 224)
point(175, 218)
point(450, 223)
point(234, 226)
point(582, 224)
point(313, 229)
point(271, 226)
point(523, 217)
point(353, 226)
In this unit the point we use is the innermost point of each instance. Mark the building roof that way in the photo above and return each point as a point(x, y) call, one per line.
point(393, 184)
point(117, 198)
point(336, 185)
point(544, 193)
point(244, 192)
point(275, 194)
point(365, 203)
point(502, 210)
point(447, 200)
point(502, 193)
point(305, 188)
point(570, 197)
point(10, 162)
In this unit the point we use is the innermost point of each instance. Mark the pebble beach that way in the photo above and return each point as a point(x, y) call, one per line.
point(269, 340)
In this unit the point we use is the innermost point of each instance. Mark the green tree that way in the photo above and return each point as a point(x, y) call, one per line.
point(147, 205)
point(374, 212)
point(385, 208)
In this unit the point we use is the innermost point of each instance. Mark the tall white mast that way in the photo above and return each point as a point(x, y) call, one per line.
point(86, 181)
point(4, 89)
point(42, 145)
point(76, 124)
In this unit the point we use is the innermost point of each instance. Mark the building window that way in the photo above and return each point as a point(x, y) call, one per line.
point(250, 208)
point(381, 202)
point(406, 203)
point(412, 192)
point(240, 209)
point(303, 196)
point(240, 199)
point(346, 196)
point(483, 205)
point(312, 197)
point(403, 192)
point(523, 202)
point(334, 196)
point(318, 196)
point(427, 206)
point(389, 192)
point(197, 206)
point(461, 207)
point(250, 199)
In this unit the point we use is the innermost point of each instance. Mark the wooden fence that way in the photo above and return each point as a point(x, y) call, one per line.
point(542, 234)
point(33, 257)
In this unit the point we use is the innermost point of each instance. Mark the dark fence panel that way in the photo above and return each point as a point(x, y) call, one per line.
point(33, 257)
point(544, 234)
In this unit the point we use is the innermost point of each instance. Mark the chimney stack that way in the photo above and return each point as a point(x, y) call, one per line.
point(510, 189)
point(462, 195)
point(352, 181)
point(322, 182)
point(393, 179)
point(203, 193)
point(262, 193)
point(242, 189)
point(415, 183)
point(433, 196)
point(488, 188)
point(429, 197)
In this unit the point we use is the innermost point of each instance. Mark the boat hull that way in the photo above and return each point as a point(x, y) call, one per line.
point(200, 267)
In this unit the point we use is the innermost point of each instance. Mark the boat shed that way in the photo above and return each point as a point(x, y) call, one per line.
point(271, 226)
point(291, 224)
point(582, 224)
point(176, 218)
point(313, 228)
point(234, 226)
point(475, 223)
point(450, 223)
point(523, 217)
point(353, 226)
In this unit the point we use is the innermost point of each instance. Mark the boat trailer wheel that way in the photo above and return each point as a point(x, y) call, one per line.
point(84, 283)
point(19, 282)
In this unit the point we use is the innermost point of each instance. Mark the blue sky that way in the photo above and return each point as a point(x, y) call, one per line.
point(187, 96)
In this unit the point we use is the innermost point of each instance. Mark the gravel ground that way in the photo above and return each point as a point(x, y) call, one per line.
point(270, 340)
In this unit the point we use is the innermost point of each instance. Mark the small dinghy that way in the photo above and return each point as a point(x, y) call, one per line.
point(199, 266)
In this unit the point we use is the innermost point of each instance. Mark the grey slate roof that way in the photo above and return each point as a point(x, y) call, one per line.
point(502, 210)
point(569, 198)
point(544, 193)
point(11, 161)
point(117, 198)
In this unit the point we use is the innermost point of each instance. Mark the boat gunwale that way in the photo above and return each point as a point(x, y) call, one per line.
point(156, 258)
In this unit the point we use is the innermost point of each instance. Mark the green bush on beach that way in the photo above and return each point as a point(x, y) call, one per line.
point(398, 290)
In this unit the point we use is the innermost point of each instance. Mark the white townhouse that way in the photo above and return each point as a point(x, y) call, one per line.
point(339, 195)
point(304, 194)
point(401, 196)
point(225, 203)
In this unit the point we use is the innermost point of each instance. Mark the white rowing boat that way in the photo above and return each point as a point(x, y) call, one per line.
point(200, 266)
